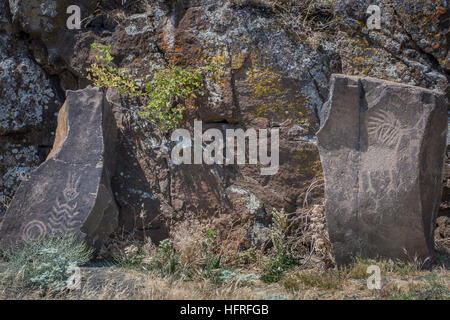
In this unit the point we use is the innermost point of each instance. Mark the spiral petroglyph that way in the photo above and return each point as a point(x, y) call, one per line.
point(34, 230)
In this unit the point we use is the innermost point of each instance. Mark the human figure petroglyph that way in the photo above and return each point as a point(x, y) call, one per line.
point(387, 160)
point(386, 130)
point(70, 192)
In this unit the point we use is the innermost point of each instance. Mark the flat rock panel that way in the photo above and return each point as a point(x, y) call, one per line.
point(70, 192)
point(382, 148)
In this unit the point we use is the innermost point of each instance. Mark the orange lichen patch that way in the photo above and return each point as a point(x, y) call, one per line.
point(181, 53)
point(439, 11)
point(163, 45)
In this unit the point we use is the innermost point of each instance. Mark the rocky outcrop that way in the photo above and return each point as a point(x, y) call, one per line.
point(29, 101)
point(411, 47)
point(382, 149)
point(70, 192)
point(442, 232)
point(274, 60)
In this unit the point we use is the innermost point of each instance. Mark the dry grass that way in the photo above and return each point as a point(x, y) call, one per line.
point(316, 279)
point(4, 202)
point(187, 266)
point(308, 20)
point(313, 279)
point(111, 283)
point(189, 237)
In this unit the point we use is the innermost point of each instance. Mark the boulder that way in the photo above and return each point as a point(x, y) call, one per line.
point(382, 147)
point(70, 192)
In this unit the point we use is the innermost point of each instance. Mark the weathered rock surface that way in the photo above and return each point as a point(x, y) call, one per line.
point(442, 232)
point(382, 148)
point(274, 70)
point(70, 192)
point(445, 204)
point(411, 46)
point(29, 102)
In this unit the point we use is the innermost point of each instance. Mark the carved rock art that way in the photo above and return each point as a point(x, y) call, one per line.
point(382, 147)
point(70, 192)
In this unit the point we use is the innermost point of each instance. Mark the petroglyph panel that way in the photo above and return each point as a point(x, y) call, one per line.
point(384, 128)
point(65, 217)
point(70, 192)
point(382, 146)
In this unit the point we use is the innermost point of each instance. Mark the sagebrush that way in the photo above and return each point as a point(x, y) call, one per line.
point(45, 263)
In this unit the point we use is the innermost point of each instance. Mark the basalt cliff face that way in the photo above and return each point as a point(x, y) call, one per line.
point(274, 61)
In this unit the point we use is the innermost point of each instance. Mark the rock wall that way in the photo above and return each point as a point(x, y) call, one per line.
point(290, 54)
point(28, 107)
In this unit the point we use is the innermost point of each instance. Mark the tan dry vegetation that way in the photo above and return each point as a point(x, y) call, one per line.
point(195, 263)
point(111, 283)
point(316, 276)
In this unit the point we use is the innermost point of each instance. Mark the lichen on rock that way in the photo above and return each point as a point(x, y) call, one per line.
point(271, 69)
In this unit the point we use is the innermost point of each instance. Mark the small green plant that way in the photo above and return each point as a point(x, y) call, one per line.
point(131, 258)
point(435, 290)
point(166, 95)
point(278, 231)
point(45, 263)
point(103, 73)
point(168, 92)
point(165, 259)
point(283, 258)
point(210, 259)
point(210, 234)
